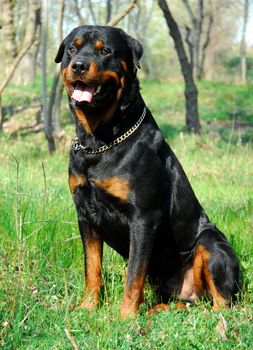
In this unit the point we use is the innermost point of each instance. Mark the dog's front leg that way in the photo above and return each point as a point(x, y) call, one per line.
point(139, 255)
point(93, 251)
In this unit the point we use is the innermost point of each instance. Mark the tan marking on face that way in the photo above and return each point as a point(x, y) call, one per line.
point(93, 77)
point(93, 274)
point(93, 72)
point(88, 123)
point(65, 73)
point(99, 45)
point(115, 186)
point(120, 90)
point(76, 180)
point(124, 65)
point(78, 42)
point(111, 74)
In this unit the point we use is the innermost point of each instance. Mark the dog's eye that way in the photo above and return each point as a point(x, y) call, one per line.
point(104, 52)
point(72, 50)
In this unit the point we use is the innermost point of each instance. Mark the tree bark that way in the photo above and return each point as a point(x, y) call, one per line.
point(1, 114)
point(191, 92)
point(92, 12)
point(78, 13)
point(204, 48)
point(9, 49)
point(26, 71)
point(56, 101)
point(15, 63)
point(243, 42)
point(46, 116)
point(108, 11)
point(195, 36)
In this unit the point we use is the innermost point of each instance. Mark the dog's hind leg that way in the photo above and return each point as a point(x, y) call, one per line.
point(220, 267)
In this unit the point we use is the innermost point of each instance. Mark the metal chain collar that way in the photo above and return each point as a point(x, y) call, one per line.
point(77, 146)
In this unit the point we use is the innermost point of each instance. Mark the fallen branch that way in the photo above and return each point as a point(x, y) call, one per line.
point(15, 64)
point(71, 339)
point(122, 14)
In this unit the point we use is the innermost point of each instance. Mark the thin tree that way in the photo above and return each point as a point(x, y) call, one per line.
point(191, 92)
point(26, 71)
point(46, 116)
point(201, 19)
point(9, 50)
point(15, 62)
point(243, 57)
point(56, 94)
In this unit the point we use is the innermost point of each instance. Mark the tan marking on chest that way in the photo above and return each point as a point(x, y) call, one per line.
point(115, 186)
point(76, 180)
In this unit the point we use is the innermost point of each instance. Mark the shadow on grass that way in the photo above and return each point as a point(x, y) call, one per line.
point(169, 131)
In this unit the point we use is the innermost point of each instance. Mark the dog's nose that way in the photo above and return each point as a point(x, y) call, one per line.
point(79, 67)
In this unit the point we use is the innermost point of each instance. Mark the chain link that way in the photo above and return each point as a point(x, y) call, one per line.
point(77, 146)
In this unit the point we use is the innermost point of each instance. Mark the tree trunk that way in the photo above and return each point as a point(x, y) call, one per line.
point(1, 113)
point(9, 47)
point(195, 36)
point(58, 95)
point(92, 12)
point(108, 11)
point(27, 69)
point(46, 116)
point(204, 48)
point(191, 92)
point(243, 43)
point(57, 109)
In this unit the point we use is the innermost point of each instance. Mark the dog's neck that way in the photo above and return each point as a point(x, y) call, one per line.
point(124, 117)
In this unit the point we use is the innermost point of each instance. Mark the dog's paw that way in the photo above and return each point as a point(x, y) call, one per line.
point(88, 303)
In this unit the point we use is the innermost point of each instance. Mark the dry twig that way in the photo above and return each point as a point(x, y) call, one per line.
point(122, 14)
point(71, 339)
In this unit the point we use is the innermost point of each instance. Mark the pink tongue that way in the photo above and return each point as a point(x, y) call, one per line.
point(83, 93)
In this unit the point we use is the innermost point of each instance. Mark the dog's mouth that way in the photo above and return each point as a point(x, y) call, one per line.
point(84, 93)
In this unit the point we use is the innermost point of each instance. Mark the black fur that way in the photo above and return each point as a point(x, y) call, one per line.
point(160, 224)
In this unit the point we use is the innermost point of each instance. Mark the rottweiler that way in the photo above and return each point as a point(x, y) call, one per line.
point(128, 186)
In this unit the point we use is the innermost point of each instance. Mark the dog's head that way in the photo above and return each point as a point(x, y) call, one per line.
point(97, 65)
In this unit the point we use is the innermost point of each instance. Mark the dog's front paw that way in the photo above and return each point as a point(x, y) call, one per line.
point(128, 312)
point(88, 303)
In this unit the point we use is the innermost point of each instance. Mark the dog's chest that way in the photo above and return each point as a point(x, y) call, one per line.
point(103, 200)
point(103, 204)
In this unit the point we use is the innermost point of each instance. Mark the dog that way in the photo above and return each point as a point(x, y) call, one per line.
point(129, 188)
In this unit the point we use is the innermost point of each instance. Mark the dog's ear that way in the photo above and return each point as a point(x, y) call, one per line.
point(137, 50)
point(60, 52)
point(68, 38)
point(135, 47)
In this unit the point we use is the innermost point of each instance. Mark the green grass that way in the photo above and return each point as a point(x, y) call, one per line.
point(39, 290)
